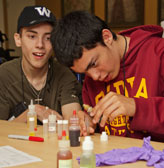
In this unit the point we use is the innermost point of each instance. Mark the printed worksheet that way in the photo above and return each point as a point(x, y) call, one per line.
point(10, 156)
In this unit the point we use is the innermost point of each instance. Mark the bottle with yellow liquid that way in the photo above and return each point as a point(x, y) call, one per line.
point(87, 159)
point(31, 119)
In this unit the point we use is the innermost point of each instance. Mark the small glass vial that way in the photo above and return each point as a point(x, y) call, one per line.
point(87, 159)
point(64, 155)
point(87, 125)
point(60, 128)
point(31, 122)
point(65, 127)
point(74, 130)
point(52, 123)
point(45, 128)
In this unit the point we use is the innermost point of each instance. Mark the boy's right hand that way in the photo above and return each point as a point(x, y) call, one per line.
point(84, 131)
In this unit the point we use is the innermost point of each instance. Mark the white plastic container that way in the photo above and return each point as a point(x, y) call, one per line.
point(31, 114)
point(87, 158)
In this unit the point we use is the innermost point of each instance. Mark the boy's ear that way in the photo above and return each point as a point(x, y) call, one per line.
point(17, 39)
point(107, 36)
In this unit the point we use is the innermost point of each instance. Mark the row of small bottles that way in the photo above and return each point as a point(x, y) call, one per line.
point(49, 125)
point(64, 155)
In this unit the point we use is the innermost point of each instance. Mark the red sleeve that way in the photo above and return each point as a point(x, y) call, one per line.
point(149, 115)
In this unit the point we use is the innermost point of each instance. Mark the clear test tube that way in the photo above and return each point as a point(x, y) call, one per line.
point(31, 126)
point(65, 127)
point(45, 128)
point(87, 125)
point(60, 128)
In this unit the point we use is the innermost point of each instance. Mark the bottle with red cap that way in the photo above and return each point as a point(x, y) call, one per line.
point(64, 155)
point(74, 130)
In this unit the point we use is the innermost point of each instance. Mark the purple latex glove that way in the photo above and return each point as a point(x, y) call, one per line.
point(121, 156)
point(159, 165)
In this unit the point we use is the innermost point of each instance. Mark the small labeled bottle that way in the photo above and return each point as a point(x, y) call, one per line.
point(64, 155)
point(32, 114)
point(52, 123)
point(31, 126)
point(74, 130)
point(87, 159)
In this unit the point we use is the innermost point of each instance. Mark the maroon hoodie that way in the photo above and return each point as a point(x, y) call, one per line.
point(144, 81)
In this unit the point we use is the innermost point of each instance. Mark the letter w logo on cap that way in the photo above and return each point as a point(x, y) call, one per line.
point(43, 11)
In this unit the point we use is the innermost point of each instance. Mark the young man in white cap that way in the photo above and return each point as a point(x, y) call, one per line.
point(36, 75)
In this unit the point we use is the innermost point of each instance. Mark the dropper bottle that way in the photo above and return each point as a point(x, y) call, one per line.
point(64, 155)
point(87, 159)
point(31, 117)
point(74, 130)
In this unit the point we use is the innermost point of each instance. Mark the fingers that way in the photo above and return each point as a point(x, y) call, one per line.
point(110, 113)
point(91, 130)
point(101, 111)
point(102, 104)
point(86, 125)
point(82, 123)
point(43, 112)
point(111, 106)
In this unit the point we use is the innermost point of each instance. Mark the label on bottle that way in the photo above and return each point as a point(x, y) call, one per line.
point(65, 163)
point(51, 129)
point(31, 118)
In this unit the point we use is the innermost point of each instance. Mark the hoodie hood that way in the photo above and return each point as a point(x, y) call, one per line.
point(139, 36)
point(148, 30)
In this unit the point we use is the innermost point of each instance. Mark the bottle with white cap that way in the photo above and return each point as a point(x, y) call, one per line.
point(31, 115)
point(52, 123)
point(104, 136)
point(87, 159)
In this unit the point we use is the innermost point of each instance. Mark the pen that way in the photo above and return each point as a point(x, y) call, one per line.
point(28, 138)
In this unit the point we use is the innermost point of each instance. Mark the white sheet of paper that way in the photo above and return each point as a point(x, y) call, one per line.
point(10, 156)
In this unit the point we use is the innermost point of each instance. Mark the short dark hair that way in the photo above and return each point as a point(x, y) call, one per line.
point(74, 32)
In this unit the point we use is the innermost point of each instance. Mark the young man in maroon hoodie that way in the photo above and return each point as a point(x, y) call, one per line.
point(124, 79)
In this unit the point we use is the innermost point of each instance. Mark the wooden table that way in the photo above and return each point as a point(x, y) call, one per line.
point(47, 151)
